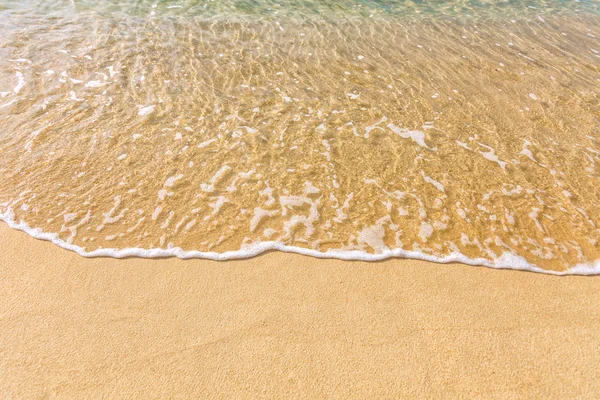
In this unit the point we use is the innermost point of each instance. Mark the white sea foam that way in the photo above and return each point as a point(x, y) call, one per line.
point(505, 261)
point(417, 136)
point(143, 111)
point(97, 84)
point(432, 181)
point(21, 82)
point(491, 155)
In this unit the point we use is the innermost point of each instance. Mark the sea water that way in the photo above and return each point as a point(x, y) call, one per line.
point(441, 130)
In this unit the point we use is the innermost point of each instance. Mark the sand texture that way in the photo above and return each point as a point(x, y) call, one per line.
point(288, 326)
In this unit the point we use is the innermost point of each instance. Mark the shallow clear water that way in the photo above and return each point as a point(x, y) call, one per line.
point(446, 130)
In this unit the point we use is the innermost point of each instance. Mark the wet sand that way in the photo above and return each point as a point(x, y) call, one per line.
point(288, 326)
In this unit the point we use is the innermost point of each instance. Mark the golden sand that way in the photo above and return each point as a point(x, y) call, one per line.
point(441, 136)
point(288, 326)
point(442, 128)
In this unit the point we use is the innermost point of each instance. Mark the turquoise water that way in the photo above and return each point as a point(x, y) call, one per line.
point(323, 8)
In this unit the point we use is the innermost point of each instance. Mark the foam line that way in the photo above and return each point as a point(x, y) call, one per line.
point(506, 261)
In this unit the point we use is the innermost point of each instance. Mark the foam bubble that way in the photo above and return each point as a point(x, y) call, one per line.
point(504, 261)
point(21, 82)
point(145, 110)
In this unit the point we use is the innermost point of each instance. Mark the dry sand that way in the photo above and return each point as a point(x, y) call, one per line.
point(288, 326)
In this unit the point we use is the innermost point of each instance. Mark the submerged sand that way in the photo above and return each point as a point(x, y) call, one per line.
point(472, 134)
point(288, 326)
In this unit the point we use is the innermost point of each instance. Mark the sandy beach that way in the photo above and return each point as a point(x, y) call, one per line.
point(288, 326)
point(441, 130)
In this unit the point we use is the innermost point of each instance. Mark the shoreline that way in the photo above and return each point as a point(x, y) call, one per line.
point(281, 325)
point(506, 261)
